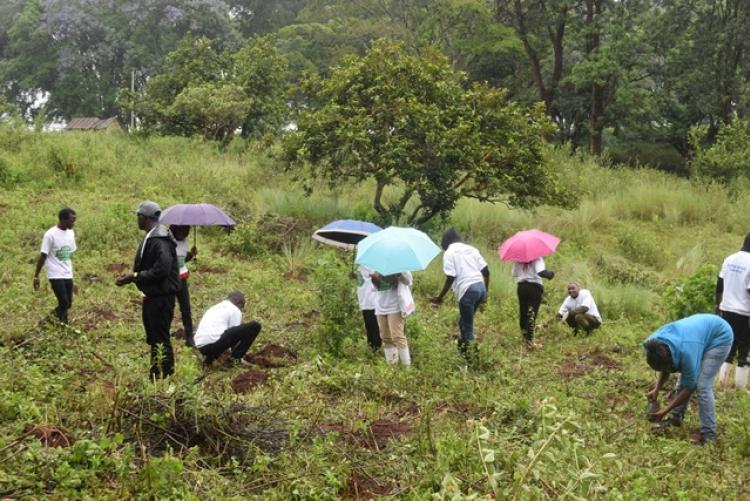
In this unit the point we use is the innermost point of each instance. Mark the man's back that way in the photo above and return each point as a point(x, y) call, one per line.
point(735, 272)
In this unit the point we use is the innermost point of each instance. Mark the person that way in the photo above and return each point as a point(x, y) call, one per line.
point(733, 304)
point(221, 329)
point(156, 275)
point(366, 295)
point(467, 273)
point(530, 291)
point(58, 244)
point(180, 234)
point(579, 310)
point(391, 315)
point(695, 347)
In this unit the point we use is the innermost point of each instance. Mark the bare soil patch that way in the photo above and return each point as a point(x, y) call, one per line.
point(51, 436)
point(246, 381)
point(375, 436)
point(97, 316)
point(116, 267)
point(586, 363)
point(300, 277)
point(364, 487)
point(271, 356)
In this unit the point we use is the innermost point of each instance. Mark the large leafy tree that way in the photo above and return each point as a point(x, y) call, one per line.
point(407, 122)
point(203, 90)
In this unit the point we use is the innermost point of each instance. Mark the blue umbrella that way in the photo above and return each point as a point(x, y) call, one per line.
point(345, 233)
point(395, 250)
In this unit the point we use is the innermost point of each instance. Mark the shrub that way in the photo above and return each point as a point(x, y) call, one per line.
point(728, 158)
point(693, 295)
point(337, 303)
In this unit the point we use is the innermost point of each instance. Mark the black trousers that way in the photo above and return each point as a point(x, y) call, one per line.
point(238, 338)
point(183, 299)
point(63, 289)
point(373, 331)
point(157, 319)
point(740, 325)
point(529, 299)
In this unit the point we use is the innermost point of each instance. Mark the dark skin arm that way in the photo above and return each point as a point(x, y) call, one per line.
point(446, 287)
point(191, 254)
point(719, 293)
point(39, 264)
point(682, 397)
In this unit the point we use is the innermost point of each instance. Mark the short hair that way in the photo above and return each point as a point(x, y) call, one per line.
point(658, 355)
point(236, 297)
point(65, 213)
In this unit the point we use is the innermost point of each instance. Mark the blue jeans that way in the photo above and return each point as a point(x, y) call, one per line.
point(712, 360)
point(467, 306)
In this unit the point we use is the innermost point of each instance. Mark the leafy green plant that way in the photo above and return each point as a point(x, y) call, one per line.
point(337, 303)
point(695, 294)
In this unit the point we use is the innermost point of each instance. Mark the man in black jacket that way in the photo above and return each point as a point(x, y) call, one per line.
point(156, 274)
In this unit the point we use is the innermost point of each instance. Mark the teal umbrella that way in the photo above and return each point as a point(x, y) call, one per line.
point(395, 250)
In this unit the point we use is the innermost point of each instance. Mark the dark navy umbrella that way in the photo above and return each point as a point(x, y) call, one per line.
point(345, 233)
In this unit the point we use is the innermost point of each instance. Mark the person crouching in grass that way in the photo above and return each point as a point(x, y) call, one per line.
point(695, 347)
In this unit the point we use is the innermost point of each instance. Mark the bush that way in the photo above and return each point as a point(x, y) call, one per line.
point(662, 156)
point(728, 158)
point(339, 311)
point(695, 294)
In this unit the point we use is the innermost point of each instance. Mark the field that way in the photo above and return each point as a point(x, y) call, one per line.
point(315, 419)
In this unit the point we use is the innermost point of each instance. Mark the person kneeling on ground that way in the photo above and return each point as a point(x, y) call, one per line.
point(695, 347)
point(579, 310)
point(221, 328)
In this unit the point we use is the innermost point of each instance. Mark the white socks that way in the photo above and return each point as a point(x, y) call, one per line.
point(404, 356)
point(740, 377)
point(393, 355)
point(724, 372)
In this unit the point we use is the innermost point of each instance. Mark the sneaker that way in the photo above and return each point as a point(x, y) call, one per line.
point(533, 345)
point(698, 439)
point(245, 362)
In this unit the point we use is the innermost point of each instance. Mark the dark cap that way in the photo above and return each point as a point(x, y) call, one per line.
point(149, 209)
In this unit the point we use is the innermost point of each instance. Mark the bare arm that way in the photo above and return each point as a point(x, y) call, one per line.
point(39, 263)
point(446, 286)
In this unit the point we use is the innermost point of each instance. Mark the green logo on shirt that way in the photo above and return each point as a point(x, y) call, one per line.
point(181, 261)
point(63, 253)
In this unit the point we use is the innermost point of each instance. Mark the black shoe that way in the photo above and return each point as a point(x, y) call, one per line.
point(664, 425)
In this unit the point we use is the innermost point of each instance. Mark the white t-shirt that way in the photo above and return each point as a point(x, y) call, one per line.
point(736, 275)
point(527, 272)
point(366, 293)
point(215, 321)
point(59, 245)
point(182, 252)
point(386, 298)
point(465, 264)
point(584, 299)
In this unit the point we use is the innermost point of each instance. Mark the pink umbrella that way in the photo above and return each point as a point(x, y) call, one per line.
point(525, 246)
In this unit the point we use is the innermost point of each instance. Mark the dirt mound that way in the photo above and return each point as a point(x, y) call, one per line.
point(116, 267)
point(375, 436)
point(246, 381)
point(271, 356)
point(362, 487)
point(99, 315)
point(51, 436)
point(586, 363)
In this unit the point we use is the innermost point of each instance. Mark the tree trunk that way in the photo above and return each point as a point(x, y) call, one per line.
point(594, 9)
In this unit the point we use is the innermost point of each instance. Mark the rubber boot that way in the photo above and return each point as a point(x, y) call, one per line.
point(740, 377)
point(391, 354)
point(404, 356)
point(724, 373)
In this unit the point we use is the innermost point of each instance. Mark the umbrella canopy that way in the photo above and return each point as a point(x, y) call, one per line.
point(195, 215)
point(395, 250)
point(526, 246)
point(345, 233)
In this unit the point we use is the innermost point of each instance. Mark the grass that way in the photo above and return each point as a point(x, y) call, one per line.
point(563, 422)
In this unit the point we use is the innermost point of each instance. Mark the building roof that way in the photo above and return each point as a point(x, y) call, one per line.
point(91, 123)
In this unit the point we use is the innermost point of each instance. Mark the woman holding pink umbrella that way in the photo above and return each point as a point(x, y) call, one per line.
point(526, 249)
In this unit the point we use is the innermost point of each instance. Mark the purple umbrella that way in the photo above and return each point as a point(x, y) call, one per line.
point(195, 215)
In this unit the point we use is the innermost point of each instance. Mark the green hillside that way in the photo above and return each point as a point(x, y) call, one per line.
point(79, 419)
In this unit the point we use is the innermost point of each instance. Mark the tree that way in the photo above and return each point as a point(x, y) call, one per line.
point(728, 158)
point(406, 122)
point(205, 91)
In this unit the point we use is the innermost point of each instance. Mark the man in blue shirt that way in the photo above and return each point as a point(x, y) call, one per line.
point(695, 347)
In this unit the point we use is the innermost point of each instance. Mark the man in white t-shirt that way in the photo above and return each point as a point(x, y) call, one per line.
point(467, 273)
point(58, 244)
point(184, 255)
point(221, 329)
point(579, 310)
point(367, 295)
point(733, 304)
